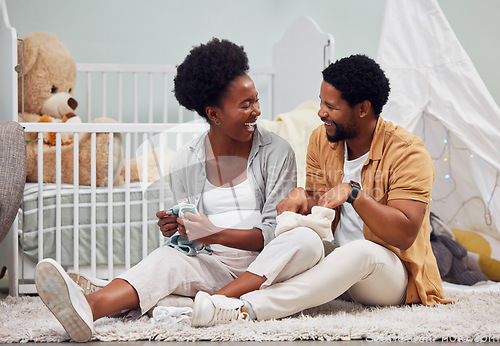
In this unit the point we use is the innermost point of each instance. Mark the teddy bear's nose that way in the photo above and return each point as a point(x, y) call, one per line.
point(72, 103)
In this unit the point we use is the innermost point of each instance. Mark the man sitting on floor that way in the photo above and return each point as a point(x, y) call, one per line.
point(385, 174)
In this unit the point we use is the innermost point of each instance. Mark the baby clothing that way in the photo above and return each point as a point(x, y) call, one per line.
point(178, 242)
point(186, 246)
point(320, 220)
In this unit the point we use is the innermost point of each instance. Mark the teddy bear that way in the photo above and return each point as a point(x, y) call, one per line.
point(451, 255)
point(49, 81)
point(156, 163)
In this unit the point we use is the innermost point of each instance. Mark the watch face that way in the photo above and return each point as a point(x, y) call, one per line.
point(354, 192)
point(354, 183)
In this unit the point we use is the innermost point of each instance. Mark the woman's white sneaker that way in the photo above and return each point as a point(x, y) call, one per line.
point(65, 299)
point(217, 309)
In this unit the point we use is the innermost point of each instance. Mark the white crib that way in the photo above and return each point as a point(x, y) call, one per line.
point(105, 230)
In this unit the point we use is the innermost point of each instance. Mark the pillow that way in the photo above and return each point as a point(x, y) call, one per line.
point(483, 252)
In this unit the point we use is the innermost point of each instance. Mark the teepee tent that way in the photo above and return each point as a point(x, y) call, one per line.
point(437, 94)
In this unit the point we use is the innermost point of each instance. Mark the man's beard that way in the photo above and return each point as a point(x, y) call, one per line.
point(343, 133)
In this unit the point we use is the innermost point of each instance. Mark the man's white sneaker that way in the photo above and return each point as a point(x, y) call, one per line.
point(87, 283)
point(65, 299)
point(217, 309)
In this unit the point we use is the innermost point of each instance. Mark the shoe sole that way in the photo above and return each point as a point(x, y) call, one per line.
point(198, 310)
point(53, 290)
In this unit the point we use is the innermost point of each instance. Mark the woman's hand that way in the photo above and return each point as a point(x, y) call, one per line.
point(199, 228)
point(168, 223)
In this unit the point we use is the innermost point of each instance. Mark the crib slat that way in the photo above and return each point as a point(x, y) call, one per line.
point(136, 106)
point(76, 203)
point(120, 97)
point(162, 181)
point(145, 151)
point(127, 200)
point(93, 201)
point(150, 98)
point(40, 196)
point(128, 68)
point(58, 197)
point(135, 96)
point(104, 83)
point(110, 205)
point(180, 115)
point(165, 97)
point(191, 128)
point(89, 97)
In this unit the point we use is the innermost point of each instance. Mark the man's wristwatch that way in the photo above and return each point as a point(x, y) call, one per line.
point(354, 192)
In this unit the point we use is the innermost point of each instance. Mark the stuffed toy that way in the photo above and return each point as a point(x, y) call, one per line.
point(66, 138)
point(49, 82)
point(451, 255)
point(483, 252)
point(156, 167)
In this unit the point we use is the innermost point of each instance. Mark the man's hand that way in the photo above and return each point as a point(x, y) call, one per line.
point(296, 201)
point(335, 196)
point(397, 223)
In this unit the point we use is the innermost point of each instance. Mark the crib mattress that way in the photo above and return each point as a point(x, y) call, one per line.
point(29, 233)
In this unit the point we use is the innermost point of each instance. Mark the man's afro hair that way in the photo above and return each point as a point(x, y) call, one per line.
point(359, 78)
point(204, 75)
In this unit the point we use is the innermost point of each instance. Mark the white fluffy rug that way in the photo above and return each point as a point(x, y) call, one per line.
point(474, 317)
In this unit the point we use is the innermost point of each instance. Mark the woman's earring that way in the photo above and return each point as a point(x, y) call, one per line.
point(216, 121)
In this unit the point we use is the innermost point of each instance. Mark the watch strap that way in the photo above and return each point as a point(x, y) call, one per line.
point(354, 191)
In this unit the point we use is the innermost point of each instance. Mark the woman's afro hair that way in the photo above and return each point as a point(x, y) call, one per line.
point(359, 78)
point(204, 75)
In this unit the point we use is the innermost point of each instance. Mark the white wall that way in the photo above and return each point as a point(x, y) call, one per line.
point(163, 31)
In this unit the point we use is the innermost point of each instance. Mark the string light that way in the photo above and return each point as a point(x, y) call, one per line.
point(446, 155)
